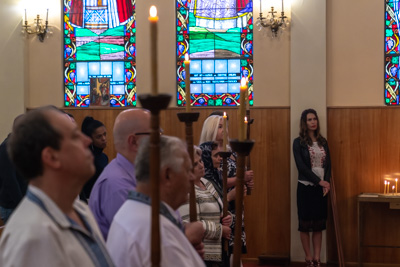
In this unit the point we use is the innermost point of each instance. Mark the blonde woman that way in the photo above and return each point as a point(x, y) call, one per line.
point(213, 131)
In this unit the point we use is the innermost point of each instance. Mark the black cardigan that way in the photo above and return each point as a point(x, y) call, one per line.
point(303, 163)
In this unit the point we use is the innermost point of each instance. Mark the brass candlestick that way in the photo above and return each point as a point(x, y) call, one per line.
point(248, 161)
point(188, 118)
point(155, 103)
point(242, 148)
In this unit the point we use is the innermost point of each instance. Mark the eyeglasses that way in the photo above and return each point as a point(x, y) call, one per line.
point(148, 133)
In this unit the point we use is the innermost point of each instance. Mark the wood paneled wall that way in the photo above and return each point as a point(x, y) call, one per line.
point(267, 210)
point(365, 146)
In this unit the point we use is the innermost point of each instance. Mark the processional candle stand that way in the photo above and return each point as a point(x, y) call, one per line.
point(155, 103)
point(248, 161)
point(225, 155)
point(242, 148)
point(188, 118)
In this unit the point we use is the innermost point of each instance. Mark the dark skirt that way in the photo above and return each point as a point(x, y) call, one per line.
point(311, 208)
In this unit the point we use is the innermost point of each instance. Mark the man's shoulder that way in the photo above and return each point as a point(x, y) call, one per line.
point(29, 222)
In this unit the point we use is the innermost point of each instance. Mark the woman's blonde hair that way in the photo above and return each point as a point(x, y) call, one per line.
point(210, 129)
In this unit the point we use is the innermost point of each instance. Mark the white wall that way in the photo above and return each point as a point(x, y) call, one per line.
point(12, 60)
point(355, 52)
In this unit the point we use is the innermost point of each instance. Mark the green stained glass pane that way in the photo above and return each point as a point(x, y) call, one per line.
point(132, 39)
point(218, 102)
point(67, 41)
point(66, 104)
point(70, 87)
point(395, 60)
point(251, 102)
point(178, 29)
point(65, 32)
point(179, 38)
point(389, 32)
point(179, 102)
point(387, 22)
point(128, 65)
point(243, 63)
point(387, 100)
point(211, 102)
point(72, 66)
point(250, 36)
point(130, 86)
point(251, 27)
point(392, 82)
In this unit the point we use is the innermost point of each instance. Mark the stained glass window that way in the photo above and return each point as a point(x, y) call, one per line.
point(99, 53)
point(218, 35)
point(392, 52)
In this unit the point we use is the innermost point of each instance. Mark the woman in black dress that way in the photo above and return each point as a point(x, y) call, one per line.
point(311, 154)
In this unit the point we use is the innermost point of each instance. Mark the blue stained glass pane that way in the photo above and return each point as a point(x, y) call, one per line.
point(94, 68)
point(82, 72)
point(221, 88)
point(234, 88)
point(106, 68)
point(83, 90)
point(195, 88)
point(195, 66)
point(208, 88)
point(208, 66)
point(117, 89)
point(234, 65)
point(118, 72)
point(221, 66)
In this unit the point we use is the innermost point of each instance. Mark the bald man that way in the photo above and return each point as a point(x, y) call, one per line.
point(118, 178)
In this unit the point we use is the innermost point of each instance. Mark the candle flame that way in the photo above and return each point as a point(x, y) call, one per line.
point(396, 179)
point(245, 119)
point(385, 182)
point(153, 11)
point(186, 57)
point(225, 115)
point(243, 82)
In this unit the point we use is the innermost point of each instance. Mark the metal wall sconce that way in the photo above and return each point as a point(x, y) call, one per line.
point(38, 27)
point(276, 24)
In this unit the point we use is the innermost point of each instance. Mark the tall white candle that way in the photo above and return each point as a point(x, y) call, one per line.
point(187, 82)
point(153, 51)
point(242, 108)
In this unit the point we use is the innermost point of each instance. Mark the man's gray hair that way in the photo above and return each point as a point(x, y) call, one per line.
point(171, 155)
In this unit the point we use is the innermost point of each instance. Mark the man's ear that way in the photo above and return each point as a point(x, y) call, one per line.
point(165, 177)
point(132, 141)
point(50, 157)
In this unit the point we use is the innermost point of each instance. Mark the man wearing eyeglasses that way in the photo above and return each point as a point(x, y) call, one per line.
point(118, 178)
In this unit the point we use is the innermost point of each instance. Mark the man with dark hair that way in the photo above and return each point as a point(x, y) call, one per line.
point(129, 237)
point(51, 227)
